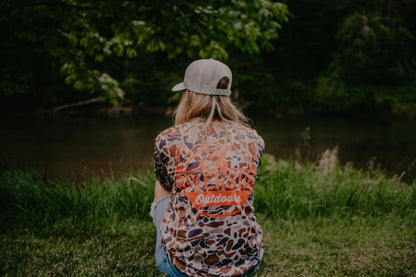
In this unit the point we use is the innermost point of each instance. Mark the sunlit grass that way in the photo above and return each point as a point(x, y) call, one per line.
point(357, 246)
point(290, 190)
point(125, 250)
point(318, 218)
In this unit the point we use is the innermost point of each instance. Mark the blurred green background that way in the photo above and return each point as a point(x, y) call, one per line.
point(288, 57)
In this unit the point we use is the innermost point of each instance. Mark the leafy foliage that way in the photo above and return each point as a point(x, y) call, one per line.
point(85, 37)
point(336, 56)
point(374, 66)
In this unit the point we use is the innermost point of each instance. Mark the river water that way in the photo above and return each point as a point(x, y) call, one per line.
point(68, 147)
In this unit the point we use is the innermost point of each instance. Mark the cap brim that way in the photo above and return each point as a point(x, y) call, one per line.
point(178, 87)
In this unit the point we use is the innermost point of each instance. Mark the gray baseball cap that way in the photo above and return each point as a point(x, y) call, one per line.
point(202, 76)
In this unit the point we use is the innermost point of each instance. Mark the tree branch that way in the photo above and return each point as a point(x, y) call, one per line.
point(76, 104)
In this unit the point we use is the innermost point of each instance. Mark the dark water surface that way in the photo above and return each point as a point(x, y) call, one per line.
point(65, 147)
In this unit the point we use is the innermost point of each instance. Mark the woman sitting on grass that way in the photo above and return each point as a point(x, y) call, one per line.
point(206, 166)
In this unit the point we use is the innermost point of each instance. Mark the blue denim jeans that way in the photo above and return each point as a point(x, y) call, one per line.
point(158, 211)
point(162, 262)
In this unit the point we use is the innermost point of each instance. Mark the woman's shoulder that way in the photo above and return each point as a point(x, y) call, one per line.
point(250, 132)
point(167, 133)
point(249, 135)
point(176, 131)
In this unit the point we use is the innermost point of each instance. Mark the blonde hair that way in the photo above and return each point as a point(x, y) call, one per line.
point(210, 107)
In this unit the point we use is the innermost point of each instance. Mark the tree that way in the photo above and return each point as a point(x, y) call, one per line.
point(83, 38)
point(374, 65)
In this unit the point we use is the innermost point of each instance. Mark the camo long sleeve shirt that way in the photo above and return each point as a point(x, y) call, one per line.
point(209, 228)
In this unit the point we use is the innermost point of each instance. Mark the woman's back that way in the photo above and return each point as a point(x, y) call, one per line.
point(209, 227)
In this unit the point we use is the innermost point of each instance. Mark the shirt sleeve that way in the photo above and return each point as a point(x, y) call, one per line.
point(261, 148)
point(161, 161)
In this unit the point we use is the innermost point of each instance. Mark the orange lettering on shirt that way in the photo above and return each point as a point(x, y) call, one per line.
point(207, 183)
point(219, 182)
point(181, 180)
point(195, 179)
point(231, 182)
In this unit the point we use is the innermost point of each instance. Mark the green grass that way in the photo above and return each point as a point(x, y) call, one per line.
point(68, 208)
point(318, 219)
point(290, 190)
point(339, 247)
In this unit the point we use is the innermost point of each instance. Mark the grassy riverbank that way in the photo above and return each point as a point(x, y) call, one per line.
point(319, 219)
